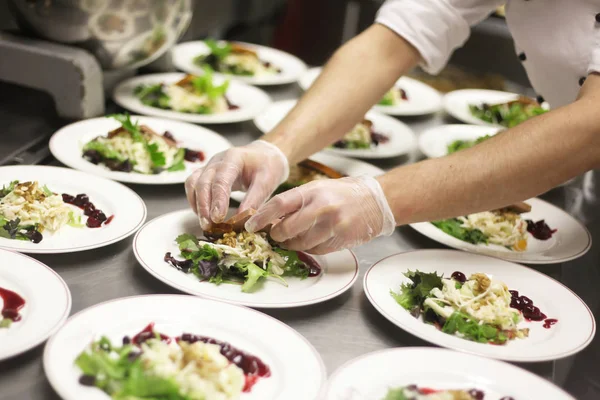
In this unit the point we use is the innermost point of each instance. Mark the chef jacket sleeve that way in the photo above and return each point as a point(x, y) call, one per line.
point(435, 27)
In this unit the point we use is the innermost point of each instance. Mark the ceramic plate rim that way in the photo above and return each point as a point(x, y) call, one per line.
point(50, 332)
point(50, 341)
point(260, 305)
point(91, 246)
point(424, 337)
point(514, 260)
point(131, 177)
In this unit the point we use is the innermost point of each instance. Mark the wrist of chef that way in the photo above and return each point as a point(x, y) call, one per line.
point(384, 214)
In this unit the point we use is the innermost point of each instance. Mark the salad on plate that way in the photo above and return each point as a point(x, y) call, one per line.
point(508, 114)
point(28, 209)
point(229, 254)
point(12, 303)
point(479, 308)
point(413, 392)
point(137, 148)
point(192, 94)
point(504, 227)
point(393, 97)
point(152, 365)
point(234, 59)
point(362, 136)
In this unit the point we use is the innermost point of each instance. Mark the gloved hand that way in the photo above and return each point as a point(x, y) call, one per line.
point(327, 215)
point(259, 168)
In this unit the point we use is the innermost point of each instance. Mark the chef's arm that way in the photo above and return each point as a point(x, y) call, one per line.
point(356, 77)
point(515, 165)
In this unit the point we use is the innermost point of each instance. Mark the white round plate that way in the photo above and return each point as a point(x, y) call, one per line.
point(157, 237)
point(291, 66)
point(47, 302)
point(252, 101)
point(422, 98)
point(456, 103)
point(343, 165)
point(574, 330)
point(434, 142)
point(372, 375)
point(111, 197)
point(67, 144)
point(284, 350)
point(402, 138)
point(571, 240)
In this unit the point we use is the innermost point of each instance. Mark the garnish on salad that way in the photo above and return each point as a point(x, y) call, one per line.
point(458, 145)
point(479, 309)
point(137, 148)
point(151, 365)
point(393, 97)
point(504, 227)
point(508, 114)
point(413, 392)
point(27, 209)
point(229, 254)
point(192, 94)
point(362, 136)
point(234, 59)
point(12, 304)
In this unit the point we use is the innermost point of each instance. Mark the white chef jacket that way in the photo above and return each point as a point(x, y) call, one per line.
point(557, 41)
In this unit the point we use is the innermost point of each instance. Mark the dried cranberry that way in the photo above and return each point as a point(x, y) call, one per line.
point(89, 209)
point(169, 136)
point(193, 156)
point(93, 223)
point(459, 276)
point(476, 394)
point(87, 380)
point(67, 198)
point(540, 230)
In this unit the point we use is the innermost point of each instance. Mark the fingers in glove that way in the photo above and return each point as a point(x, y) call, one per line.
point(190, 191)
point(202, 188)
point(279, 206)
point(257, 194)
point(226, 174)
point(320, 232)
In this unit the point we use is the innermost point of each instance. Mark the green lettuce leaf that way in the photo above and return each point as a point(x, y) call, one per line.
point(6, 189)
point(104, 150)
point(472, 330)
point(254, 274)
point(453, 228)
point(413, 294)
point(178, 161)
point(204, 84)
point(157, 157)
point(396, 394)
point(293, 265)
point(219, 50)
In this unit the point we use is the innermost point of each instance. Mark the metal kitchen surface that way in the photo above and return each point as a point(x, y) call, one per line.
point(340, 329)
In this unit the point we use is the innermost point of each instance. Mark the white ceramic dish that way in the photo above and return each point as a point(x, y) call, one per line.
point(422, 98)
point(571, 240)
point(111, 197)
point(47, 302)
point(372, 375)
point(67, 144)
point(250, 100)
point(434, 142)
point(574, 330)
point(402, 139)
point(284, 350)
point(291, 66)
point(157, 237)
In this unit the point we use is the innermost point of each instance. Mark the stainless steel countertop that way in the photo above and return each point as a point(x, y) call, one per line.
point(340, 329)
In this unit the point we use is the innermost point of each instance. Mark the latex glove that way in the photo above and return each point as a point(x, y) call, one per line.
point(259, 168)
point(327, 215)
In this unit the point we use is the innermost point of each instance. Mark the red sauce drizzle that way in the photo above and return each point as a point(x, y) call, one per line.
point(254, 368)
point(12, 304)
point(549, 322)
point(314, 269)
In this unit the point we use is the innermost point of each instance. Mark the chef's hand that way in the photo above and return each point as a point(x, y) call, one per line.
point(258, 168)
point(327, 215)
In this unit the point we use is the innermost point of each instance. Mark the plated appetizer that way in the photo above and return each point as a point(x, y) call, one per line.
point(151, 365)
point(479, 308)
point(413, 392)
point(229, 254)
point(27, 209)
point(234, 59)
point(137, 148)
point(507, 114)
point(504, 227)
point(393, 97)
point(192, 94)
point(458, 145)
point(362, 136)
point(12, 304)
